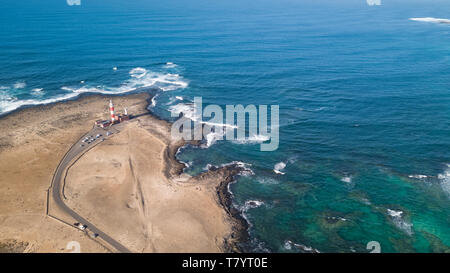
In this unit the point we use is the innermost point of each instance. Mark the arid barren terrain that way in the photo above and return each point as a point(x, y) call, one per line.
point(130, 186)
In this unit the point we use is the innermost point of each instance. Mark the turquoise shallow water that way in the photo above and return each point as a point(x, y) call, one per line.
point(362, 90)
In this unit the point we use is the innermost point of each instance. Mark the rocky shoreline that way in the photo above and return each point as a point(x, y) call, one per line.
point(226, 174)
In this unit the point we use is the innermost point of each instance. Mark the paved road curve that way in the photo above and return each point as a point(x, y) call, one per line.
point(57, 188)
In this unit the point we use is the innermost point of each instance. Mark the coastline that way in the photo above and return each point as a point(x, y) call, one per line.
point(71, 127)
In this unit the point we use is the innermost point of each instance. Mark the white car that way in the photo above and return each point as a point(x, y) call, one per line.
point(80, 226)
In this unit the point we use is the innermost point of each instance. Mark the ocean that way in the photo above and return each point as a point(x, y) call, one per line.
point(363, 93)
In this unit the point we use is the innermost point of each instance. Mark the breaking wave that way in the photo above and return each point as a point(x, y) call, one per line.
point(10, 103)
point(139, 78)
point(288, 245)
point(254, 139)
point(37, 91)
point(153, 104)
point(19, 85)
point(187, 109)
point(279, 167)
point(417, 176)
point(399, 221)
point(174, 99)
point(170, 65)
point(431, 20)
point(212, 138)
point(444, 179)
point(246, 170)
point(346, 179)
point(250, 204)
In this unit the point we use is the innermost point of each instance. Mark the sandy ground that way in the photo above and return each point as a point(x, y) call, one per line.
point(120, 185)
point(32, 141)
point(129, 186)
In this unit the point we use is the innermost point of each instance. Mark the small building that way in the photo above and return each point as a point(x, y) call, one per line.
point(123, 118)
point(103, 123)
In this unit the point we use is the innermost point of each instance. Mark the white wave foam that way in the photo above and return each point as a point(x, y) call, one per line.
point(219, 124)
point(153, 104)
point(140, 78)
point(138, 72)
point(338, 218)
point(212, 138)
point(346, 179)
point(13, 103)
point(251, 204)
point(207, 167)
point(255, 139)
point(38, 91)
point(258, 246)
point(245, 166)
point(174, 99)
point(187, 109)
point(395, 213)
point(279, 167)
point(267, 180)
point(5, 98)
point(397, 219)
point(417, 176)
point(19, 85)
point(170, 65)
point(289, 244)
point(431, 20)
point(445, 180)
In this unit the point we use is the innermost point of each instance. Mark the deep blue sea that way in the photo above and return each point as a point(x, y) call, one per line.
point(363, 93)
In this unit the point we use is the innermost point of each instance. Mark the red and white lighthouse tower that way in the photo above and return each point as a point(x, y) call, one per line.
point(111, 110)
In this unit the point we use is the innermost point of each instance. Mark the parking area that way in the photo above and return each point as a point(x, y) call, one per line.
point(93, 137)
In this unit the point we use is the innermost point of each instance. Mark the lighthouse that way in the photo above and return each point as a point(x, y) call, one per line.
point(111, 110)
point(114, 118)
